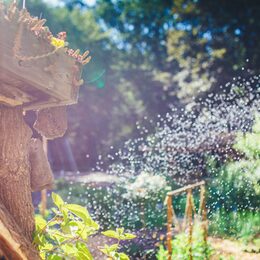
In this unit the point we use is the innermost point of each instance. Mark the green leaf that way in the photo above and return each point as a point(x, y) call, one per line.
point(54, 257)
point(123, 256)
point(120, 231)
point(82, 213)
point(111, 233)
point(66, 228)
point(43, 255)
point(39, 239)
point(47, 247)
point(65, 213)
point(113, 247)
point(58, 201)
point(69, 249)
point(128, 236)
point(40, 222)
point(83, 251)
point(59, 237)
point(104, 251)
point(79, 211)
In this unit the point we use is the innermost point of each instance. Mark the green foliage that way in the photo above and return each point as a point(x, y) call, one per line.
point(239, 225)
point(127, 212)
point(236, 185)
point(118, 234)
point(65, 235)
point(181, 247)
point(231, 191)
point(142, 68)
point(249, 168)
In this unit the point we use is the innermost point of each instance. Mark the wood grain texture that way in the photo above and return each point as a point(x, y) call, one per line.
point(13, 245)
point(15, 186)
point(29, 74)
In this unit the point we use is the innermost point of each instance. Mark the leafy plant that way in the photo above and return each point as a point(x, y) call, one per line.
point(240, 225)
point(111, 251)
point(181, 248)
point(126, 212)
point(65, 235)
point(235, 186)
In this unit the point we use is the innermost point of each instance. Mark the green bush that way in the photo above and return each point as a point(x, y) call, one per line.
point(65, 234)
point(239, 225)
point(236, 185)
point(112, 209)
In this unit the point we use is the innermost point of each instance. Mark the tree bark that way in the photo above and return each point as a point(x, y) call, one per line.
point(15, 188)
point(12, 242)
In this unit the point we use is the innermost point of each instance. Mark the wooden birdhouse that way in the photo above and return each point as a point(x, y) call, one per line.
point(37, 72)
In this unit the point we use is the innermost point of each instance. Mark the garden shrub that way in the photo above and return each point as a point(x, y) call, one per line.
point(240, 225)
point(114, 206)
point(65, 235)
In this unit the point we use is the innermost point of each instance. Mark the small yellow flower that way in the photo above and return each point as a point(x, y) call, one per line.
point(58, 43)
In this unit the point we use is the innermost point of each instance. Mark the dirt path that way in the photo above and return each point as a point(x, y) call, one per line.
point(230, 248)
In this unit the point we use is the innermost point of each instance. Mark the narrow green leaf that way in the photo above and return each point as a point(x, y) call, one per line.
point(128, 236)
point(111, 233)
point(58, 201)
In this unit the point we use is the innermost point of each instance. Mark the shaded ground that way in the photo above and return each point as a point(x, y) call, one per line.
point(229, 248)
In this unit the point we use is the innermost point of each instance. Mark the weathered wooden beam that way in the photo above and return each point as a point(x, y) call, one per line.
point(186, 188)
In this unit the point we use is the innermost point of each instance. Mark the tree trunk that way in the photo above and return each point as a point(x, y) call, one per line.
point(13, 244)
point(15, 188)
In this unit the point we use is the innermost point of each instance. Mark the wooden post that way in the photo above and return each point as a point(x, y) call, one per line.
point(169, 226)
point(203, 212)
point(44, 192)
point(15, 187)
point(188, 216)
point(189, 221)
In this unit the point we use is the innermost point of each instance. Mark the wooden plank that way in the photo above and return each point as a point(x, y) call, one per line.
point(186, 188)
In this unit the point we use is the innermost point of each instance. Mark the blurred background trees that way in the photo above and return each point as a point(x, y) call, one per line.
point(147, 57)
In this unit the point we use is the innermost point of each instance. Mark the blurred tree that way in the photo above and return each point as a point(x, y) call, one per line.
point(107, 111)
point(191, 45)
point(147, 57)
point(214, 41)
